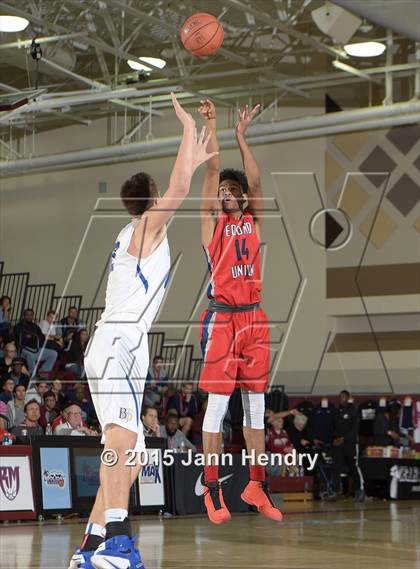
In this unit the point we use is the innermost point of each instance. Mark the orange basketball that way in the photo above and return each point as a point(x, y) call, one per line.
point(202, 34)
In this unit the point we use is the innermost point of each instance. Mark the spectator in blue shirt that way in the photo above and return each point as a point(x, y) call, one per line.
point(187, 406)
point(7, 391)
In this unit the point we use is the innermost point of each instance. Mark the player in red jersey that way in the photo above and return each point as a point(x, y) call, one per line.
point(234, 329)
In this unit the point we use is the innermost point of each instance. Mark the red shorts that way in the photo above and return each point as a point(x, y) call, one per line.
point(236, 351)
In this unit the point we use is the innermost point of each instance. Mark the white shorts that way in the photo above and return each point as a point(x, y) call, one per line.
point(116, 364)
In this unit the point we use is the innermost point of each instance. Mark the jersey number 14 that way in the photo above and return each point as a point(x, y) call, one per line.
point(241, 251)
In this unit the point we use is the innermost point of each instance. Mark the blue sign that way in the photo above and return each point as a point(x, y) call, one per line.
point(55, 478)
point(86, 470)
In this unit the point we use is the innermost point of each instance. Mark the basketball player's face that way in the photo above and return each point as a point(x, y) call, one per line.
point(230, 195)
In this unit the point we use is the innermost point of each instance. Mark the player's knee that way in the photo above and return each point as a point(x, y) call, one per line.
point(215, 413)
point(254, 407)
point(119, 439)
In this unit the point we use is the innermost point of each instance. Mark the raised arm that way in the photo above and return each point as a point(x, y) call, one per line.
point(191, 153)
point(209, 203)
point(255, 197)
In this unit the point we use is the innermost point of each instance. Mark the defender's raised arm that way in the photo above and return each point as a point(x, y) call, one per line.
point(192, 153)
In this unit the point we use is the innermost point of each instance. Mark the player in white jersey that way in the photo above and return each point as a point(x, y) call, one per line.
point(117, 358)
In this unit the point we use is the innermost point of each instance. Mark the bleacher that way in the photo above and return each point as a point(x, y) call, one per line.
point(179, 358)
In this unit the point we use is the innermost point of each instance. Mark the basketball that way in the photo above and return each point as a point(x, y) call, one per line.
point(202, 34)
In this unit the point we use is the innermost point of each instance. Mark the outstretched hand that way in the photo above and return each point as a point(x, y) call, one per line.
point(185, 118)
point(245, 117)
point(200, 148)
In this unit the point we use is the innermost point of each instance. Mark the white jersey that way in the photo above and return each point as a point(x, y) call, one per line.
point(135, 288)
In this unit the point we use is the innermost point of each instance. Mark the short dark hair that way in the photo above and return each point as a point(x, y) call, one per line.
point(49, 394)
point(157, 357)
point(147, 408)
point(4, 298)
point(170, 416)
point(344, 392)
point(138, 193)
point(51, 312)
point(30, 403)
point(237, 175)
point(19, 385)
point(72, 308)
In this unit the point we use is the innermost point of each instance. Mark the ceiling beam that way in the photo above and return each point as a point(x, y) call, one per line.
point(118, 52)
point(172, 29)
point(47, 39)
point(267, 19)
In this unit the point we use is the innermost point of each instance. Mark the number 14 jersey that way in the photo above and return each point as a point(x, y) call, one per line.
point(233, 258)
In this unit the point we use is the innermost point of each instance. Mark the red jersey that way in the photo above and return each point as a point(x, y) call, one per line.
point(233, 258)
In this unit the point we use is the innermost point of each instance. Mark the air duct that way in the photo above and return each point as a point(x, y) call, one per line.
point(295, 129)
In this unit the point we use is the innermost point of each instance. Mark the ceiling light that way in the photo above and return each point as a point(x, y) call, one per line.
point(365, 49)
point(12, 23)
point(138, 66)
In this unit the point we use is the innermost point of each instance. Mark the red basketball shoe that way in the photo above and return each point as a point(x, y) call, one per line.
point(215, 504)
point(256, 494)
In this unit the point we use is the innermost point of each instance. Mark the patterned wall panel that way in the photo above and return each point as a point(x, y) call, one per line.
point(360, 167)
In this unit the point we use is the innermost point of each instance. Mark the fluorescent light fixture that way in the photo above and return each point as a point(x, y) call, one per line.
point(365, 49)
point(138, 66)
point(12, 23)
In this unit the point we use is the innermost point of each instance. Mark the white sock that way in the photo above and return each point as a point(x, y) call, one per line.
point(95, 529)
point(115, 515)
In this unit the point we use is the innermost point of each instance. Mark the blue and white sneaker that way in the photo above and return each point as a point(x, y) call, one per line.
point(81, 560)
point(117, 552)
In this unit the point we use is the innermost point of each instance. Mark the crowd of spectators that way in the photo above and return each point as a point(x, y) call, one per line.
point(42, 406)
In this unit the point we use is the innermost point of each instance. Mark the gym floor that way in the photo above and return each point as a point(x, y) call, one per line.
point(313, 536)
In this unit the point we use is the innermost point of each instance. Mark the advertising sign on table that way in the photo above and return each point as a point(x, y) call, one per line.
point(151, 483)
point(55, 478)
point(15, 484)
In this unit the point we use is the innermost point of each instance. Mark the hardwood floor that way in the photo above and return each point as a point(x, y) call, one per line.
point(313, 536)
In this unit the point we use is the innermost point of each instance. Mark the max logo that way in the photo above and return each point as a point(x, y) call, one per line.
point(126, 414)
point(10, 481)
point(150, 474)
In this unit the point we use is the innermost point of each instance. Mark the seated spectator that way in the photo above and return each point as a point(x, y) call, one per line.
point(30, 341)
point(57, 389)
point(75, 353)
point(277, 440)
point(17, 374)
point(52, 331)
point(15, 408)
point(10, 352)
point(37, 391)
point(176, 438)
point(185, 402)
point(157, 379)
point(79, 397)
point(30, 426)
point(297, 429)
point(49, 411)
point(70, 324)
point(4, 420)
point(166, 396)
point(73, 422)
point(149, 417)
point(7, 390)
point(5, 328)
